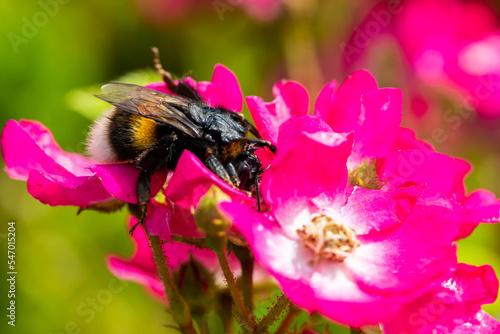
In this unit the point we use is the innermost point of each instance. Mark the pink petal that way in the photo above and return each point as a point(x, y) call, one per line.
point(290, 100)
point(125, 270)
point(265, 156)
point(338, 297)
point(273, 249)
point(29, 145)
point(341, 108)
point(78, 191)
point(160, 86)
point(452, 307)
point(53, 176)
point(377, 210)
point(158, 218)
point(485, 204)
point(328, 288)
point(443, 178)
point(359, 106)
point(308, 170)
point(434, 170)
point(462, 169)
point(294, 126)
point(481, 206)
point(407, 140)
point(222, 91)
point(165, 220)
point(140, 267)
point(480, 323)
point(120, 180)
point(418, 251)
point(381, 115)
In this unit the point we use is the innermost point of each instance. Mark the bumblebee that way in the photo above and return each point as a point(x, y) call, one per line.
point(151, 130)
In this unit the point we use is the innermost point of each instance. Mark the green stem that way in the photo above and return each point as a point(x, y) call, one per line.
point(246, 259)
point(356, 331)
point(273, 314)
point(245, 316)
point(178, 306)
point(289, 319)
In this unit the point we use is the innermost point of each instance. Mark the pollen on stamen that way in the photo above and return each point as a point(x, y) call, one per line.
point(328, 239)
point(366, 175)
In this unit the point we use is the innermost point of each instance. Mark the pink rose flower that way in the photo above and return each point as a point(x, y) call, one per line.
point(452, 307)
point(373, 116)
point(355, 255)
point(386, 257)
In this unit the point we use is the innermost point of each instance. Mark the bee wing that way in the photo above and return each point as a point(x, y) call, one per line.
point(150, 103)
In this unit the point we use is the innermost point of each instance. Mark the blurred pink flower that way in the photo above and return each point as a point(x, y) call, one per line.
point(453, 45)
point(452, 307)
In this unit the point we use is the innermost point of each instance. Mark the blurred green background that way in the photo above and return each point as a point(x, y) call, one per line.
point(81, 45)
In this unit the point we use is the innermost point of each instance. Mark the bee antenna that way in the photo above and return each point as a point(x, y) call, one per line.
point(166, 76)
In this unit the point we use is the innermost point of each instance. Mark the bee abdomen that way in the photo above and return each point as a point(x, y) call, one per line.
point(120, 136)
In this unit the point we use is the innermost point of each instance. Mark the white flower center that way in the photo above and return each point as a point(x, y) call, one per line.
point(328, 239)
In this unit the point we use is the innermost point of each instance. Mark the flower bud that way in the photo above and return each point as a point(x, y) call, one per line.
point(211, 221)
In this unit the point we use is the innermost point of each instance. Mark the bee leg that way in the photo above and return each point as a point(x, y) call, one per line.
point(143, 191)
point(257, 191)
point(257, 180)
point(233, 174)
point(262, 143)
point(166, 76)
point(218, 169)
point(147, 163)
